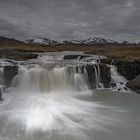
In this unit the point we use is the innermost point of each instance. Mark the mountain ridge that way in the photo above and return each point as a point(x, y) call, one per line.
point(47, 41)
point(90, 41)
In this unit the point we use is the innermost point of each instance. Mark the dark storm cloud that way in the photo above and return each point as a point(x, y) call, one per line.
point(70, 19)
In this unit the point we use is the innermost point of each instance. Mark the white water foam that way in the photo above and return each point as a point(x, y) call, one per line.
point(119, 80)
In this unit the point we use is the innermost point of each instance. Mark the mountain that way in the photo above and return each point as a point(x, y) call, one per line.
point(41, 41)
point(92, 40)
point(70, 42)
point(98, 40)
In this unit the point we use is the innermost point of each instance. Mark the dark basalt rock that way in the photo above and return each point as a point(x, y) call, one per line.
point(9, 73)
point(16, 55)
point(91, 76)
point(113, 84)
point(105, 75)
point(128, 69)
point(106, 61)
point(134, 84)
point(68, 57)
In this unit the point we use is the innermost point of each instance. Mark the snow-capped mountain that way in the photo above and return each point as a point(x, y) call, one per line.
point(49, 42)
point(97, 40)
point(72, 41)
point(41, 41)
point(93, 40)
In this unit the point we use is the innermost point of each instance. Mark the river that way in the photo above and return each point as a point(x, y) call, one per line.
point(52, 101)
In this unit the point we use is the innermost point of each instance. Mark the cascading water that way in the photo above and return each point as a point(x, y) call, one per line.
point(51, 100)
point(118, 80)
point(99, 85)
point(41, 80)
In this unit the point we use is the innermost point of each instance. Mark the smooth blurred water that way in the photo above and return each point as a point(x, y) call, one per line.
point(50, 100)
point(104, 115)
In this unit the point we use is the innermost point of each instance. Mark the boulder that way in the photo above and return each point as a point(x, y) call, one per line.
point(134, 84)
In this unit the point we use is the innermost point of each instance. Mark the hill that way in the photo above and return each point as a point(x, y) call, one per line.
point(14, 49)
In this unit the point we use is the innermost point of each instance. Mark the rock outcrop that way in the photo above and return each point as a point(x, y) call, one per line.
point(105, 77)
point(16, 55)
point(91, 76)
point(128, 69)
point(9, 73)
point(134, 84)
point(68, 57)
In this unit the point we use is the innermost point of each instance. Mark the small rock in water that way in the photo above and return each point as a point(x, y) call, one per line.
point(119, 89)
point(121, 83)
point(113, 84)
point(125, 88)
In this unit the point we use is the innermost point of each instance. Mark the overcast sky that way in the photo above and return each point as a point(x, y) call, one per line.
point(70, 19)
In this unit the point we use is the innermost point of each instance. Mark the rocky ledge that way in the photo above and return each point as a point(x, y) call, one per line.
point(17, 55)
point(9, 73)
point(130, 69)
point(134, 84)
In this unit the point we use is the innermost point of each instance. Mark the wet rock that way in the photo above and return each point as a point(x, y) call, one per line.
point(128, 69)
point(125, 88)
point(68, 57)
point(26, 56)
point(16, 55)
point(134, 84)
point(106, 61)
point(91, 76)
point(112, 84)
point(105, 75)
point(9, 73)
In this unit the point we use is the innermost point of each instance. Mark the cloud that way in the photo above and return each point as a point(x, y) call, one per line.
point(70, 19)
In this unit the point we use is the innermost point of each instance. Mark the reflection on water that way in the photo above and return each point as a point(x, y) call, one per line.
point(63, 117)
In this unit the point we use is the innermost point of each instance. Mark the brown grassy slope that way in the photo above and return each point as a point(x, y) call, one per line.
point(118, 52)
point(112, 51)
point(11, 44)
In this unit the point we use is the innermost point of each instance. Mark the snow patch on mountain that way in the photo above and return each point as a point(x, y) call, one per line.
point(41, 41)
point(49, 42)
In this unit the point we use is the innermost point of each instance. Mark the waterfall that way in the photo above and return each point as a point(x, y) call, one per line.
point(118, 82)
point(42, 80)
point(51, 73)
point(99, 85)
